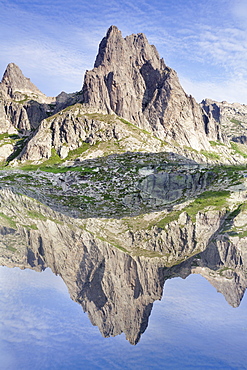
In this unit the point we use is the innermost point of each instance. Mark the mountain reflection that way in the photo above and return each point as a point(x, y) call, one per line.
point(116, 288)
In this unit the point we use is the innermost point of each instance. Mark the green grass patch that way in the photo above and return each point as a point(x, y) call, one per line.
point(237, 122)
point(190, 149)
point(30, 227)
point(210, 155)
point(77, 152)
point(238, 149)
point(9, 220)
point(242, 234)
point(221, 271)
point(139, 252)
point(56, 168)
point(12, 249)
point(15, 176)
point(25, 99)
point(108, 118)
point(216, 199)
point(36, 215)
point(216, 143)
point(7, 136)
point(112, 244)
point(233, 174)
point(68, 108)
point(173, 216)
point(4, 136)
point(54, 159)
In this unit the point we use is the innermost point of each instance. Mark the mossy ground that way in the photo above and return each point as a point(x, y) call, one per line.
point(108, 186)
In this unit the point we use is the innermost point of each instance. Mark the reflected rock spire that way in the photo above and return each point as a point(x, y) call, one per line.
point(116, 288)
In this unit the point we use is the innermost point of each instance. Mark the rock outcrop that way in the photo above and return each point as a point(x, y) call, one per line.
point(16, 86)
point(232, 117)
point(169, 187)
point(22, 105)
point(131, 80)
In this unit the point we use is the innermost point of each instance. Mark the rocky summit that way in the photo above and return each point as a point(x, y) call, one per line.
point(15, 85)
point(130, 101)
point(123, 185)
point(130, 80)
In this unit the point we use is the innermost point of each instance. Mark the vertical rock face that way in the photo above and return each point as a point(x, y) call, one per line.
point(13, 117)
point(131, 80)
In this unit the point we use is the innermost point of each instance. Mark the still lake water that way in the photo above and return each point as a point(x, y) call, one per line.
point(192, 327)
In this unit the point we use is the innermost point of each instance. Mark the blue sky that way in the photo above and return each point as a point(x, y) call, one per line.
point(54, 42)
point(42, 328)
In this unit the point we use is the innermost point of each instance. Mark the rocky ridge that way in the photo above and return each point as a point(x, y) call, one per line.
point(16, 86)
point(129, 83)
point(21, 101)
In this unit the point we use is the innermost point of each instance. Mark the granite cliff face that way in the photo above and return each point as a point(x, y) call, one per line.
point(23, 106)
point(131, 80)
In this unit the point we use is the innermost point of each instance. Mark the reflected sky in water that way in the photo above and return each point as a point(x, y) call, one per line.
point(191, 327)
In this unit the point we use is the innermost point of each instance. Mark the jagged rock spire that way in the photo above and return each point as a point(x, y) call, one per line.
point(131, 80)
point(14, 83)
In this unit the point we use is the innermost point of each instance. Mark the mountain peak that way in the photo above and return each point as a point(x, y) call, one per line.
point(12, 68)
point(14, 84)
point(114, 48)
point(130, 80)
point(112, 30)
point(108, 46)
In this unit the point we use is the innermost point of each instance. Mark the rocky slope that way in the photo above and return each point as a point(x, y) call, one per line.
point(23, 106)
point(128, 184)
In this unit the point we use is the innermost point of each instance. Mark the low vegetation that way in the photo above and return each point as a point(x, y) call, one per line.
point(239, 149)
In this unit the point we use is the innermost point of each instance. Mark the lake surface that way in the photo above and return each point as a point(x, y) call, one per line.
point(149, 293)
point(192, 327)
